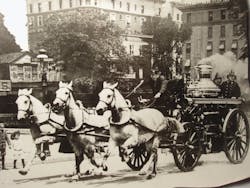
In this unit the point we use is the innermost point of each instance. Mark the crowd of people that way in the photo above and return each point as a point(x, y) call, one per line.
point(15, 145)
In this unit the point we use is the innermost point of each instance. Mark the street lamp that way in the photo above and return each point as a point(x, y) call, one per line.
point(42, 56)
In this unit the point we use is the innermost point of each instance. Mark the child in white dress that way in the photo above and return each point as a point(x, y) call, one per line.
point(17, 147)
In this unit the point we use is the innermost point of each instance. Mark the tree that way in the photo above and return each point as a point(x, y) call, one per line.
point(7, 40)
point(84, 40)
point(166, 37)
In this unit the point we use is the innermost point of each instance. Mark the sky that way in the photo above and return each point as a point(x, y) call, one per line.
point(15, 20)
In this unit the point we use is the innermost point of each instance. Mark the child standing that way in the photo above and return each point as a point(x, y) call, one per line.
point(17, 146)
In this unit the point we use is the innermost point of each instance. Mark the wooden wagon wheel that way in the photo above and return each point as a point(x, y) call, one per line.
point(138, 157)
point(236, 136)
point(187, 150)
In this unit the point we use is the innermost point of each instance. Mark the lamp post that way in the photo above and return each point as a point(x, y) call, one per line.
point(42, 56)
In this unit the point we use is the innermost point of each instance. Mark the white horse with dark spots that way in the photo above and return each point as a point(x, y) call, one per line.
point(43, 123)
point(129, 128)
point(78, 119)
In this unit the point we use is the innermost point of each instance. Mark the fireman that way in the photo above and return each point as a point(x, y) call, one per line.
point(230, 88)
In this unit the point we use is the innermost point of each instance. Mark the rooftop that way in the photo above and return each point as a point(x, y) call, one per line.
point(200, 6)
point(11, 57)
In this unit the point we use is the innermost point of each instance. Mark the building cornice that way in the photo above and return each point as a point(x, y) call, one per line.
point(202, 6)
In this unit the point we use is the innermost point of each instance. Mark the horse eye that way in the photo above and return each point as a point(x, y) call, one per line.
point(25, 102)
point(66, 93)
point(109, 96)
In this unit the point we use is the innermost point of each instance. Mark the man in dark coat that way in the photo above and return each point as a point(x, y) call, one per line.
point(158, 84)
point(230, 88)
point(3, 139)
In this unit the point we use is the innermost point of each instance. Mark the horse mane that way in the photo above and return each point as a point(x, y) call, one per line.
point(121, 111)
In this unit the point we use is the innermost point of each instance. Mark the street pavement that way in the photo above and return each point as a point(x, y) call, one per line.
point(213, 170)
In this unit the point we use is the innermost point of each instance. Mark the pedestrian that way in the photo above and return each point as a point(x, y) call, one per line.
point(17, 147)
point(230, 88)
point(3, 139)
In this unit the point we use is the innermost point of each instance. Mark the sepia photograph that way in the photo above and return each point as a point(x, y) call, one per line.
point(127, 93)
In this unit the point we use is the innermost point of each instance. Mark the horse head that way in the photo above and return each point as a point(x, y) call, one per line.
point(62, 96)
point(107, 98)
point(24, 104)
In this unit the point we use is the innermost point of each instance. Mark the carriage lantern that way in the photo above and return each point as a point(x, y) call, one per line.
point(42, 56)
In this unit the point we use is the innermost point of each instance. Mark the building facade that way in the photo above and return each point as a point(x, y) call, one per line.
point(214, 30)
point(129, 15)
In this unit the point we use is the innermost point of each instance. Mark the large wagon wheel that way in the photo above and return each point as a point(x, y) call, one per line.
point(187, 150)
point(138, 157)
point(236, 136)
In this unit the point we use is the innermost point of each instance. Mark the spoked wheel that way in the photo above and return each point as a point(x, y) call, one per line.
point(236, 136)
point(187, 150)
point(138, 157)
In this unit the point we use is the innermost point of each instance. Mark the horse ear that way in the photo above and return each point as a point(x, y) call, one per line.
point(60, 83)
point(104, 84)
point(30, 91)
point(71, 83)
point(19, 92)
point(115, 85)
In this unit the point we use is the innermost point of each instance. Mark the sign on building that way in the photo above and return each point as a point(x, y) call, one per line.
point(5, 85)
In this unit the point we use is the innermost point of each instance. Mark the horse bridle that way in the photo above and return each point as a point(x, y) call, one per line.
point(66, 100)
point(28, 110)
point(113, 97)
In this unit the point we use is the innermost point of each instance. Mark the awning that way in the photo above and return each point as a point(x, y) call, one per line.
point(234, 45)
point(222, 47)
point(209, 47)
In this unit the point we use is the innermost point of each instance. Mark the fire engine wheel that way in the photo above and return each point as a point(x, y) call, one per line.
point(138, 157)
point(236, 136)
point(187, 150)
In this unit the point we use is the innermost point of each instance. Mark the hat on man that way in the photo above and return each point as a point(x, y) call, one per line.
point(231, 73)
point(217, 76)
point(1, 125)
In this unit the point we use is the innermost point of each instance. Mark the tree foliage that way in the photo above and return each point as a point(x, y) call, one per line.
point(7, 40)
point(166, 35)
point(83, 39)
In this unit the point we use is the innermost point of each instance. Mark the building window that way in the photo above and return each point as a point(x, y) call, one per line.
point(235, 30)
point(31, 8)
point(39, 6)
point(223, 14)
point(177, 16)
point(142, 20)
point(188, 17)
point(128, 6)
point(142, 9)
point(88, 2)
point(70, 3)
point(188, 50)
point(209, 49)
point(50, 5)
point(60, 4)
point(96, 2)
point(39, 21)
point(120, 4)
point(222, 46)
point(20, 72)
point(121, 17)
point(80, 2)
point(128, 20)
point(159, 11)
point(34, 73)
point(234, 47)
point(31, 21)
point(113, 4)
point(131, 49)
point(112, 18)
point(135, 7)
point(210, 16)
point(222, 31)
point(210, 32)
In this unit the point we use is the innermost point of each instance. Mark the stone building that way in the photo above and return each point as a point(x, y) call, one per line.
point(214, 30)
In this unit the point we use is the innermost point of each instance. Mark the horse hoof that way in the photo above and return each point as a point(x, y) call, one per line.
point(42, 156)
point(74, 178)
point(23, 172)
point(150, 176)
point(105, 168)
point(88, 172)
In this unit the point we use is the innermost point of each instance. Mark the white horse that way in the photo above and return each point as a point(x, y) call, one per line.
point(43, 123)
point(78, 119)
point(129, 128)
